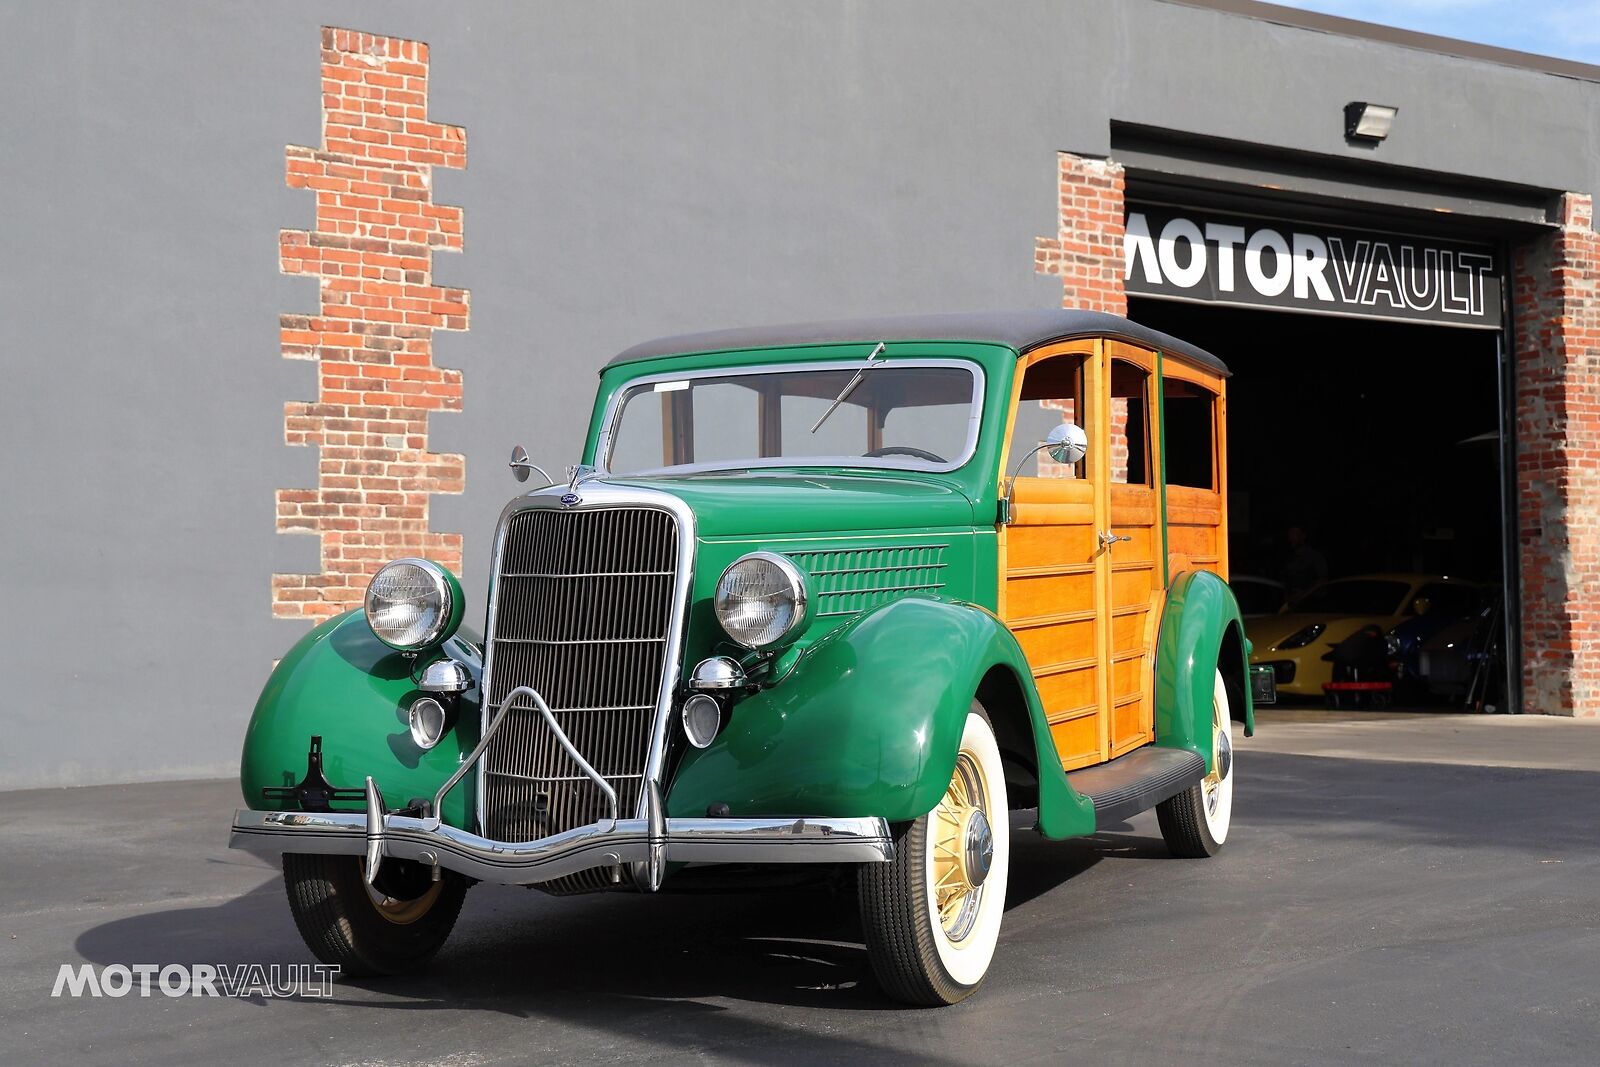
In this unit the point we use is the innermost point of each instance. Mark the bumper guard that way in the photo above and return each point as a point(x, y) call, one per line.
point(650, 842)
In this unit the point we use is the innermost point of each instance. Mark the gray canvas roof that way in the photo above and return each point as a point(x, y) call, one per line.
point(1021, 330)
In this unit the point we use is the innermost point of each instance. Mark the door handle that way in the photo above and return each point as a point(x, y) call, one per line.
point(1107, 539)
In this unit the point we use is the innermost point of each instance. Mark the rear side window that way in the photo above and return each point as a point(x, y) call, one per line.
point(1190, 434)
point(1130, 424)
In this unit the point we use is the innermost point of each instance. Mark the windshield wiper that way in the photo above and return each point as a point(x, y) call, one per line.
point(844, 394)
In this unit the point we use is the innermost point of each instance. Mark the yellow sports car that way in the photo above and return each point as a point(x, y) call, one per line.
point(1294, 642)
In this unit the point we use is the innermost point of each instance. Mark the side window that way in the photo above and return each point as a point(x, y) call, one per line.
point(1190, 429)
point(1052, 393)
point(1130, 424)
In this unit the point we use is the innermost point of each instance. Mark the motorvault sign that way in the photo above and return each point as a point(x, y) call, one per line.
point(1189, 255)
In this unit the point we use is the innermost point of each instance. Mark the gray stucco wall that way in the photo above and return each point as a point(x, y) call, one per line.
point(633, 170)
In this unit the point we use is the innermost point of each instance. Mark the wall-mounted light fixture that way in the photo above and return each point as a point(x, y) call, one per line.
point(1368, 122)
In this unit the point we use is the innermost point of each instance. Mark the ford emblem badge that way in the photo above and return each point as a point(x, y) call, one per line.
point(570, 499)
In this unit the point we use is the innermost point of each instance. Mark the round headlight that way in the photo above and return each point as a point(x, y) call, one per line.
point(761, 598)
point(413, 604)
point(428, 721)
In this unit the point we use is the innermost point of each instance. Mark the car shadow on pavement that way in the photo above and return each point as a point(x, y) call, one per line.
point(523, 953)
point(605, 957)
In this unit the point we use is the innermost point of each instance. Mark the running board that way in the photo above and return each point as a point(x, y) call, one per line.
point(1140, 780)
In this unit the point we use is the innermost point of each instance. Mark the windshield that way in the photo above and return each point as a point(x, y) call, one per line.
point(919, 416)
point(1354, 596)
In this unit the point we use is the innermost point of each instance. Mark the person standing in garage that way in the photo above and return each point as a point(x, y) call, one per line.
point(1305, 567)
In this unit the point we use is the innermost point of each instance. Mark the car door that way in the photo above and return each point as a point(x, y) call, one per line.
point(1052, 587)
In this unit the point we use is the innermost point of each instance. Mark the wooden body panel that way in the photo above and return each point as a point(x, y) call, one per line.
point(1194, 530)
point(1087, 617)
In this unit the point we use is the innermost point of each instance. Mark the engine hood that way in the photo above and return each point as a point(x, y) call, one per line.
point(781, 503)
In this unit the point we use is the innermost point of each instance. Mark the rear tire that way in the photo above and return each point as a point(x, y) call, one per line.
point(930, 931)
point(1195, 822)
point(366, 931)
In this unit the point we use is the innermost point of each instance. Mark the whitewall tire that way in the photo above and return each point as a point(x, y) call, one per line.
point(931, 916)
point(1195, 822)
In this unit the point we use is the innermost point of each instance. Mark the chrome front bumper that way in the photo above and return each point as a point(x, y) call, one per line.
point(627, 841)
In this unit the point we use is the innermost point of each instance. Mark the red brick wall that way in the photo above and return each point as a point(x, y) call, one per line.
point(1557, 292)
point(1086, 252)
point(371, 336)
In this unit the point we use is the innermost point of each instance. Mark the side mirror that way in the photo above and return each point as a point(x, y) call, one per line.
point(1420, 605)
point(520, 466)
point(1067, 443)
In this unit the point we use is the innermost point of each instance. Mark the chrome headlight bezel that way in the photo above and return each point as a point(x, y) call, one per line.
point(792, 593)
point(441, 597)
point(428, 719)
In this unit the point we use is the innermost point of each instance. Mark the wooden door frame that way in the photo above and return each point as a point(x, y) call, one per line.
point(1150, 362)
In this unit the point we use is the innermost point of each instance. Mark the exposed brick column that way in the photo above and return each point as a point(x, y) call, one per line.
point(1086, 253)
point(1557, 287)
point(372, 336)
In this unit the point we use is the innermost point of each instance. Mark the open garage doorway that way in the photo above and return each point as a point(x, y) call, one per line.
point(1363, 450)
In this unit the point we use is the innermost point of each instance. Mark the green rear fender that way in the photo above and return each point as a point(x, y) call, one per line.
point(868, 723)
point(342, 683)
point(1201, 633)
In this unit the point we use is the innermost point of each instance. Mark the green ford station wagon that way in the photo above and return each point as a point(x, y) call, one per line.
point(840, 596)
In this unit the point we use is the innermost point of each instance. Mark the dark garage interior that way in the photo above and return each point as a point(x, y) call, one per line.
point(1380, 441)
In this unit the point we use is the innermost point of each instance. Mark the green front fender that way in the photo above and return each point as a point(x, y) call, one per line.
point(868, 723)
point(1201, 633)
point(342, 683)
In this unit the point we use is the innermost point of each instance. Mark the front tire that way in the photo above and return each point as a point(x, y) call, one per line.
point(931, 916)
point(393, 929)
point(1195, 822)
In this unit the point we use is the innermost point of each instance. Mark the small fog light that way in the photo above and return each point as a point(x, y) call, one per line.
point(427, 720)
point(718, 672)
point(702, 718)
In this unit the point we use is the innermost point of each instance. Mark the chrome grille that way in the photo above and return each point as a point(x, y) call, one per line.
point(583, 613)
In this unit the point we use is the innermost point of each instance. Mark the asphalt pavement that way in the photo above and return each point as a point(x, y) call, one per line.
point(1385, 897)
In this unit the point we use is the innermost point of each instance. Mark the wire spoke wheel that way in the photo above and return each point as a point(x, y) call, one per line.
point(402, 911)
point(957, 887)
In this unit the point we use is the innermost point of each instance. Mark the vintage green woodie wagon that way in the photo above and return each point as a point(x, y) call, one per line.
point(836, 595)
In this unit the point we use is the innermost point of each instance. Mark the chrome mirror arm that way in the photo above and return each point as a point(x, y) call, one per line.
point(520, 466)
point(1067, 444)
point(1011, 483)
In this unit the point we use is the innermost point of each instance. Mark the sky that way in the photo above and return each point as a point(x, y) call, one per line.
point(1569, 29)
